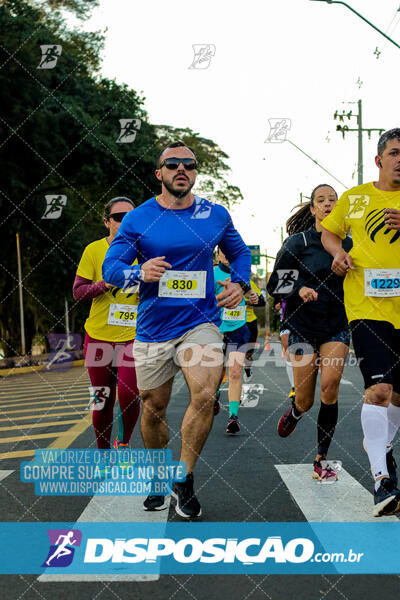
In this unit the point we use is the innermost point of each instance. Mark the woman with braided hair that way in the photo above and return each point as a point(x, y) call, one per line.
point(300, 221)
point(316, 320)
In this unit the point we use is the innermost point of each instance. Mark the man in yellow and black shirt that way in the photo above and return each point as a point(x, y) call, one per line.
point(371, 212)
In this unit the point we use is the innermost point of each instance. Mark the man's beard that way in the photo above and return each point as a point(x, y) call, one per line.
point(178, 193)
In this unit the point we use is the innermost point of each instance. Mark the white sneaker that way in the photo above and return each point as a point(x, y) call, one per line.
point(247, 375)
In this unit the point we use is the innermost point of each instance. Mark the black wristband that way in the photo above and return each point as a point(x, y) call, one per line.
point(246, 288)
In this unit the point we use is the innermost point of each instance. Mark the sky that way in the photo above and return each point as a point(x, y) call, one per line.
point(299, 60)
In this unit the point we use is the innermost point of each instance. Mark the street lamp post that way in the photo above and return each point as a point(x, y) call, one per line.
point(21, 301)
point(361, 17)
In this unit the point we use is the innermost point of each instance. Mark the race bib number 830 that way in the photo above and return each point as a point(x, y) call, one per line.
point(182, 284)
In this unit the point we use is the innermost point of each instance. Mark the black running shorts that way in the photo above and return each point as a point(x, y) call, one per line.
point(253, 328)
point(377, 348)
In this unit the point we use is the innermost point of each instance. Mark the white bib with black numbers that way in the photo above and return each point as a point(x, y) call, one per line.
point(382, 283)
point(122, 314)
point(234, 314)
point(182, 284)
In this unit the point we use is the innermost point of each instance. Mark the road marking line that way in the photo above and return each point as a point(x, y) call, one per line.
point(16, 454)
point(36, 436)
point(4, 474)
point(54, 401)
point(47, 386)
point(27, 396)
point(58, 379)
point(38, 385)
point(114, 509)
point(35, 425)
point(11, 412)
point(346, 500)
point(64, 440)
point(61, 414)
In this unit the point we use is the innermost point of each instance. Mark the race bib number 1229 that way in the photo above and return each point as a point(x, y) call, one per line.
point(382, 283)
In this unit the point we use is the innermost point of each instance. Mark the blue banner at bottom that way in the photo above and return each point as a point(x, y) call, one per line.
point(200, 548)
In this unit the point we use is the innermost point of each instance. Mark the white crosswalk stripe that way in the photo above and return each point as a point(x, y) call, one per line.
point(113, 509)
point(344, 500)
point(4, 474)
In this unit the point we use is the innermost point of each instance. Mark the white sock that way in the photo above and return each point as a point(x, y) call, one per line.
point(289, 371)
point(374, 421)
point(393, 413)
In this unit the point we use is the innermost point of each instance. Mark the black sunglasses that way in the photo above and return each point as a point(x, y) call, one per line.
point(118, 216)
point(173, 163)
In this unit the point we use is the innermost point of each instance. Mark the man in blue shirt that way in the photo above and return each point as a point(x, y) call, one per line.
point(173, 236)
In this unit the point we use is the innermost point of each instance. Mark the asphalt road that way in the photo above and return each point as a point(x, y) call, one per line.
point(236, 479)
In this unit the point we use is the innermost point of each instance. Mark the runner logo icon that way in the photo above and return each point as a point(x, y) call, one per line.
point(286, 280)
point(202, 209)
point(129, 129)
point(62, 547)
point(50, 55)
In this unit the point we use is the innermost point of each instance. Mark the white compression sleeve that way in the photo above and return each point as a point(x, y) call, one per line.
point(374, 421)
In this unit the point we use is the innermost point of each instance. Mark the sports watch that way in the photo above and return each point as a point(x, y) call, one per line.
point(246, 288)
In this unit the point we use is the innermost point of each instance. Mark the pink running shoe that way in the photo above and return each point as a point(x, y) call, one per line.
point(323, 472)
point(120, 447)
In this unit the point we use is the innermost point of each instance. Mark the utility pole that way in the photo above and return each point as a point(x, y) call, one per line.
point(344, 129)
point(267, 323)
point(360, 147)
point(21, 301)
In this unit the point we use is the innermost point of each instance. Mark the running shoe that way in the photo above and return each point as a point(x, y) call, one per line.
point(120, 447)
point(392, 466)
point(324, 472)
point(187, 505)
point(217, 403)
point(247, 375)
point(287, 423)
point(386, 498)
point(233, 425)
point(154, 503)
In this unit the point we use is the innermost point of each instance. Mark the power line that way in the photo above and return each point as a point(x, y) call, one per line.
point(317, 163)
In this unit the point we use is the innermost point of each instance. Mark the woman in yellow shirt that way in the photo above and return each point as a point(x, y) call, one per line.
point(110, 331)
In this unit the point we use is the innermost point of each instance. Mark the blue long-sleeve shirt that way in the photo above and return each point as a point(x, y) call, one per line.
point(187, 238)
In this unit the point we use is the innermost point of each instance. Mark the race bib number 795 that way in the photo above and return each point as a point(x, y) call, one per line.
point(122, 314)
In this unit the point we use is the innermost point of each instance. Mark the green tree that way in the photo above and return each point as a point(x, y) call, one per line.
point(213, 169)
point(60, 135)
